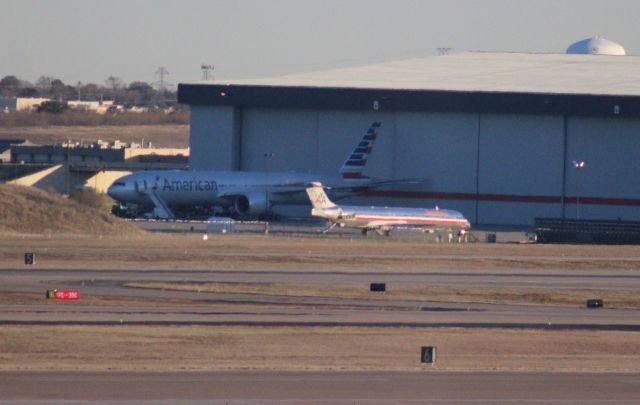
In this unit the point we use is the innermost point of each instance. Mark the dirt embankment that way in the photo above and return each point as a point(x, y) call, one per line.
point(31, 210)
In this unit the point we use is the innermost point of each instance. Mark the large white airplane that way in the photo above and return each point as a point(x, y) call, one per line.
point(238, 192)
point(383, 219)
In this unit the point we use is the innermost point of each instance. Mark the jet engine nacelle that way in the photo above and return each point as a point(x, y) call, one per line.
point(254, 204)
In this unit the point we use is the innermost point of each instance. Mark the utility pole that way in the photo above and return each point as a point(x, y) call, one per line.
point(267, 156)
point(207, 72)
point(579, 166)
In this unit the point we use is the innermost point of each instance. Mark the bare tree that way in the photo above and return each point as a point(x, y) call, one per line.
point(91, 92)
point(43, 84)
point(115, 84)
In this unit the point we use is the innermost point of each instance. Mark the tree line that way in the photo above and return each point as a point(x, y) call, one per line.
point(135, 93)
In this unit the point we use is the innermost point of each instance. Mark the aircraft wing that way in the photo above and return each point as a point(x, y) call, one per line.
point(385, 224)
point(380, 183)
point(416, 180)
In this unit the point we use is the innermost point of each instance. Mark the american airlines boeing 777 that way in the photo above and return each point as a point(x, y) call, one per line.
point(240, 192)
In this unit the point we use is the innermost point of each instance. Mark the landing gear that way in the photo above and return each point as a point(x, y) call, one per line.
point(383, 232)
point(330, 227)
point(364, 231)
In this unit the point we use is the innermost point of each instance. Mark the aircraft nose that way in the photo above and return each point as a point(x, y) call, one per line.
point(118, 191)
point(113, 193)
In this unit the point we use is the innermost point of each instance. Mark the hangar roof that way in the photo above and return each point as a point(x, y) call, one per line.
point(480, 71)
point(476, 82)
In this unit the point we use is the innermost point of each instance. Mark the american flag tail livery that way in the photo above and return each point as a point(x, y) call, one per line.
point(353, 166)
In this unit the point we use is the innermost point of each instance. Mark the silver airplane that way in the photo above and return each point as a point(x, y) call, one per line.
point(237, 192)
point(383, 219)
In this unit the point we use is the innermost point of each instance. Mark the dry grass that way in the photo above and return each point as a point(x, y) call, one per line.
point(505, 295)
point(284, 348)
point(166, 135)
point(28, 209)
point(79, 118)
point(257, 252)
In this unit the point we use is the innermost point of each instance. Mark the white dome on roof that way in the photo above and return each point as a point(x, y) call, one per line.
point(596, 46)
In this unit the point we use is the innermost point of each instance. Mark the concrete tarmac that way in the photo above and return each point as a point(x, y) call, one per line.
point(319, 388)
point(241, 308)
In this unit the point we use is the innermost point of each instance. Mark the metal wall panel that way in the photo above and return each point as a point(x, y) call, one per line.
point(340, 131)
point(515, 213)
point(213, 138)
point(290, 135)
point(521, 155)
point(441, 148)
point(521, 158)
point(610, 149)
point(309, 140)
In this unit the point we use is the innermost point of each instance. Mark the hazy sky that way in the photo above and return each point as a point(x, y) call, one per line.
point(89, 40)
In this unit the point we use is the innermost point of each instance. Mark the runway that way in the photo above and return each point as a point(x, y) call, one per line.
point(210, 308)
point(320, 388)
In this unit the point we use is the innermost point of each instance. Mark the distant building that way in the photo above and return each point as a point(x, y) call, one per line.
point(99, 152)
point(100, 107)
point(71, 166)
point(13, 104)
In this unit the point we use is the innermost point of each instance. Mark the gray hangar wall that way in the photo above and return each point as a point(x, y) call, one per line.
point(494, 168)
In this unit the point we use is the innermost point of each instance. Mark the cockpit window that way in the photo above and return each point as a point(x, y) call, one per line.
point(119, 183)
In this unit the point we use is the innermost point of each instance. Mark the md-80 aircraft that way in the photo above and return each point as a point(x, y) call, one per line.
point(240, 192)
point(383, 219)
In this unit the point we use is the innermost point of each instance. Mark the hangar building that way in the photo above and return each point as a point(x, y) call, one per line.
point(495, 135)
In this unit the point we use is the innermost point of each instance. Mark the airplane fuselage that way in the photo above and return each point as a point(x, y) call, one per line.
point(395, 217)
point(218, 187)
point(239, 192)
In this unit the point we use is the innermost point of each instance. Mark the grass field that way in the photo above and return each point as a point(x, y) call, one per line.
point(190, 251)
point(348, 348)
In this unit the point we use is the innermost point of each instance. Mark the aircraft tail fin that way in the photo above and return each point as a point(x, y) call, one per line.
point(318, 197)
point(354, 165)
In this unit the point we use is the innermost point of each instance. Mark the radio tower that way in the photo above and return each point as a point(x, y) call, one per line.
point(162, 72)
point(207, 72)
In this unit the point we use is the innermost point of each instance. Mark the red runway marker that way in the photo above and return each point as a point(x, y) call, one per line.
point(67, 294)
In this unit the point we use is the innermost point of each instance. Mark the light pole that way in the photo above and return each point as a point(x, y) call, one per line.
point(267, 156)
point(579, 165)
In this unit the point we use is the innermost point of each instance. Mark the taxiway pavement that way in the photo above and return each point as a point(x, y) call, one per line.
point(320, 388)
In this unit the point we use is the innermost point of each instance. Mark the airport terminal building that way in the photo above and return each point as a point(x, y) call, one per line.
point(494, 135)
